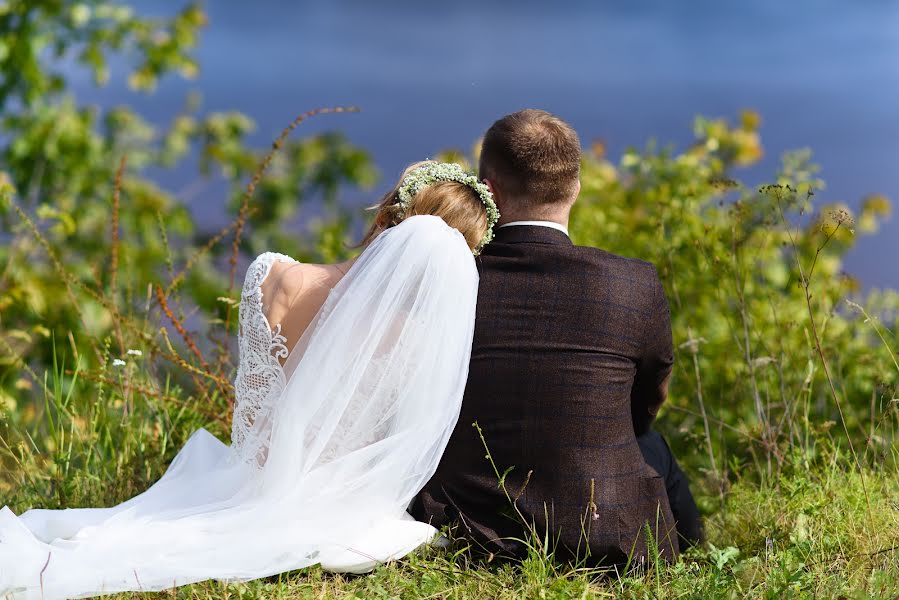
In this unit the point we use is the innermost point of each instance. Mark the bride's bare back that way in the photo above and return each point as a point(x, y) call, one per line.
point(293, 293)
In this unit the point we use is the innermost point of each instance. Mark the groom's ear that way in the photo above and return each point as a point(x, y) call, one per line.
point(490, 187)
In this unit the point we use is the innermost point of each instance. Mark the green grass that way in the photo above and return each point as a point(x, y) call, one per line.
point(806, 537)
point(807, 531)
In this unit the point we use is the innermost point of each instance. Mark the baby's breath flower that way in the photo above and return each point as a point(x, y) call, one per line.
point(431, 173)
point(118, 362)
point(134, 352)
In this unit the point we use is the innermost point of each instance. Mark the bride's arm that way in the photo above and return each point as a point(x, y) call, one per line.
point(261, 346)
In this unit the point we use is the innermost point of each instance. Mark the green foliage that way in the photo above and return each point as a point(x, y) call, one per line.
point(737, 262)
point(117, 308)
point(86, 33)
point(75, 230)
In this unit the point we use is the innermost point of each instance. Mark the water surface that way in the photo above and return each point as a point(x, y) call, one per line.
point(428, 76)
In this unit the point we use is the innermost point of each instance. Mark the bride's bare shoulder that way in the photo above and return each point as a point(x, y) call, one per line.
point(288, 281)
point(293, 292)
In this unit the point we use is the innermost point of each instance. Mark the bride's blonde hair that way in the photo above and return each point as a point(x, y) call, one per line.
point(456, 203)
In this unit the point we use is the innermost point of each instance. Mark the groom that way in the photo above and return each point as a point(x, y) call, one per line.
point(570, 363)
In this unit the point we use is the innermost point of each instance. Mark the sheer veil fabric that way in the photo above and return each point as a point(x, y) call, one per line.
point(327, 451)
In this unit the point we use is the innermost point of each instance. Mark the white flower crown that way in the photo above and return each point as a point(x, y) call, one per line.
point(433, 172)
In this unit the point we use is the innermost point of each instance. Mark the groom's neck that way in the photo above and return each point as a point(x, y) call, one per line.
point(559, 216)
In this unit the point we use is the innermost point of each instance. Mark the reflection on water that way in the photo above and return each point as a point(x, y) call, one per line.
point(823, 73)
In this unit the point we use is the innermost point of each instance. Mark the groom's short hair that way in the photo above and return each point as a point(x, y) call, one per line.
point(532, 155)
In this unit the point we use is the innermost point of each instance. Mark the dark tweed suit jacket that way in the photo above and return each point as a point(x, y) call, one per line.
point(571, 351)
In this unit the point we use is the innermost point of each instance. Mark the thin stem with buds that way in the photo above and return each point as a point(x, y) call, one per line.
point(805, 282)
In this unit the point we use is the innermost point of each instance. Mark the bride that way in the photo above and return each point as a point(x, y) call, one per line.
point(349, 385)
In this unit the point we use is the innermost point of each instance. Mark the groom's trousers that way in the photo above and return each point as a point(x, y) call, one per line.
point(658, 455)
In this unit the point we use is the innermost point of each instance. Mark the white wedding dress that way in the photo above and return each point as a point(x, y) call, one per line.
point(327, 451)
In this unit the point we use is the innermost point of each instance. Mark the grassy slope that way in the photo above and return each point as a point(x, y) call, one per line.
point(808, 537)
point(815, 529)
point(809, 532)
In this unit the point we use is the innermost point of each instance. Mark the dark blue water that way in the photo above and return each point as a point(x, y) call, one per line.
point(823, 74)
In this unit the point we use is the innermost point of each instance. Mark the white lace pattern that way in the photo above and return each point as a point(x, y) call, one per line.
point(260, 376)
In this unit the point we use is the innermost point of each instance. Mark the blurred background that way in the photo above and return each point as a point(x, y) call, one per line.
point(822, 74)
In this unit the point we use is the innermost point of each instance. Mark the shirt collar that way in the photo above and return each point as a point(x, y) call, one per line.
point(550, 224)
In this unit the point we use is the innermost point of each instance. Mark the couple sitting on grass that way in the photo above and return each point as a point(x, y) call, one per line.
point(472, 368)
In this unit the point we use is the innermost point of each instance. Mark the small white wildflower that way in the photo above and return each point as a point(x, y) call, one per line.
point(762, 361)
point(135, 352)
point(118, 362)
point(693, 344)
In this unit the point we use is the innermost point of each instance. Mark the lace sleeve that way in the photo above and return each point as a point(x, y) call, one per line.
point(260, 377)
